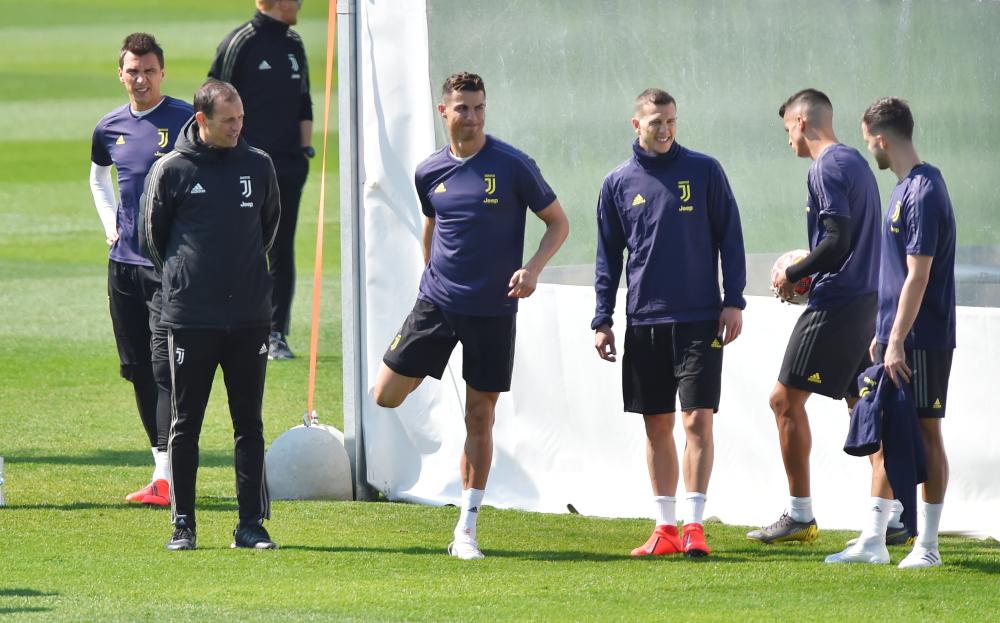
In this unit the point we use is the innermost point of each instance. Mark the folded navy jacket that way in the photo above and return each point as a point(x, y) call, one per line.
point(886, 416)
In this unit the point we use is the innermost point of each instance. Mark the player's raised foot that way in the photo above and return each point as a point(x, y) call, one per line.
point(786, 530)
point(277, 347)
point(464, 547)
point(662, 542)
point(893, 536)
point(871, 551)
point(136, 496)
point(694, 541)
point(252, 536)
point(183, 537)
point(159, 494)
point(921, 558)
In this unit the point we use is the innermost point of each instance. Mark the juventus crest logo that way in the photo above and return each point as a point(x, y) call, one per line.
point(491, 183)
point(685, 188)
point(164, 136)
point(179, 355)
point(247, 188)
point(293, 61)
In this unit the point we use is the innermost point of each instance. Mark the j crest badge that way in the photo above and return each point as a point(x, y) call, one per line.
point(491, 188)
point(164, 134)
point(684, 186)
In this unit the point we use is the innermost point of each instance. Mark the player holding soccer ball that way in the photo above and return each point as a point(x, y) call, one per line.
point(915, 332)
point(673, 210)
point(828, 346)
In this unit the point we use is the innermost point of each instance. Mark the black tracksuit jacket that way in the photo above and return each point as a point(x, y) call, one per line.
point(208, 217)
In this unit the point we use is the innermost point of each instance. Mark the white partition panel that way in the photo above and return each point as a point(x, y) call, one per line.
point(561, 436)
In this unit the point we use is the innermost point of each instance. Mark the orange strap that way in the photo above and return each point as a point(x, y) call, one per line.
point(331, 35)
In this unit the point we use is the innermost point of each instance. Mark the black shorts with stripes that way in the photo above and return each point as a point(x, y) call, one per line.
point(930, 371)
point(828, 348)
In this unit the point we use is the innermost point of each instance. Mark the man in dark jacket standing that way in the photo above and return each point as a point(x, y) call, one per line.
point(266, 62)
point(209, 215)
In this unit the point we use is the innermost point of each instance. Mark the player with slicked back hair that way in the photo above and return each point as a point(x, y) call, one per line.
point(915, 329)
point(475, 193)
point(828, 346)
point(131, 138)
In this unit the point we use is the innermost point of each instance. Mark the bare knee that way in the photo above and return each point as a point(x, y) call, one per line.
point(786, 402)
point(480, 412)
point(698, 425)
point(391, 388)
point(659, 425)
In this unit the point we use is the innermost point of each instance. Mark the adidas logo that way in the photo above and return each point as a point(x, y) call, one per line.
point(440, 188)
point(474, 509)
point(264, 65)
point(121, 140)
point(638, 200)
point(198, 189)
point(263, 349)
point(937, 404)
point(814, 378)
point(716, 343)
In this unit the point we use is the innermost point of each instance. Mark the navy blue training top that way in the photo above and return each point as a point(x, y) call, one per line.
point(132, 144)
point(919, 221)
point(479, 206)
point(841, 183)
point(676, 215)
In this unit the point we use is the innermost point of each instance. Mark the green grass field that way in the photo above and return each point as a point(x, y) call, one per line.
point(70, 550)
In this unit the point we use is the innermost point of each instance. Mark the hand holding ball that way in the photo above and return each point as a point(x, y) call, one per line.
point(800, 293)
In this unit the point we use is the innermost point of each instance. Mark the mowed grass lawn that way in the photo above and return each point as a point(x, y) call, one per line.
point(71, 550)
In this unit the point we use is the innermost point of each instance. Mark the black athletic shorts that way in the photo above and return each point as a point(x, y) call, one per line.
point(828, 349)
point(130, 290)
point(661, 361)
point(930, 371)
point(424, 343)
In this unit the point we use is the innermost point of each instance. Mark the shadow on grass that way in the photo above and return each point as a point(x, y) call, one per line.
point(26, 609)
point(204, 504)
point(24, 592)
point(125, 458)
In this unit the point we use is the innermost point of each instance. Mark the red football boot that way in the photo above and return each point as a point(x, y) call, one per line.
point(694, 541)
point(160, 494)
point(136, 496)
point(664, 540)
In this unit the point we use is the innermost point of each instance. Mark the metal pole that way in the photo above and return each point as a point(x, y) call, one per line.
point(350, 245)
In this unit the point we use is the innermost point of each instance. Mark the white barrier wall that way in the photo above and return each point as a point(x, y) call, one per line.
point(561, 437)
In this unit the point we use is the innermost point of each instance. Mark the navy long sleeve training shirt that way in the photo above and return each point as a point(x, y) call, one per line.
point(676, 215)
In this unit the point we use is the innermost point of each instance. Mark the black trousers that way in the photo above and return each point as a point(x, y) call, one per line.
point(292, 175)
point(131, 287)
point(242, 354)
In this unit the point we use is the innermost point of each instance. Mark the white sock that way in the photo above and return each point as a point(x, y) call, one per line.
point(878, 518)
point(694, 507)
point(801, 509)
point(472, 499)
point(161, 469)
point(896, 518)
point(665, 508)
point(928, 538)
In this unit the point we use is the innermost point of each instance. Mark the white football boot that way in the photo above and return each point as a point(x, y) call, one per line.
point(871, 551)
point(464, 547)
point(921, 558)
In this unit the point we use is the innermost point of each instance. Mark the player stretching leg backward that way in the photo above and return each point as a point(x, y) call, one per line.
point(474, 193)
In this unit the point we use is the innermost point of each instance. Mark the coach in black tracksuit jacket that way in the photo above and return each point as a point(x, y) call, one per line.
point(208, 217)
point(266, 62)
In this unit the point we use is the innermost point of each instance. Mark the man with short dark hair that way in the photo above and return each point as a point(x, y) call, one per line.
point(131, 138)
point(266, 62)
point(915, 329)
point(474, 193)
point(673, 210)
point(828, 346)
point(209, 214)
